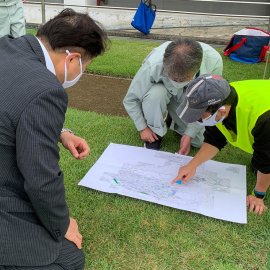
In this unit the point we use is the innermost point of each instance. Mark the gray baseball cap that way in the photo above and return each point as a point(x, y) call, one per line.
point(204, 91)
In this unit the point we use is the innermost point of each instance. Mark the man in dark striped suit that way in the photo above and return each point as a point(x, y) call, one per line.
point(36, 229)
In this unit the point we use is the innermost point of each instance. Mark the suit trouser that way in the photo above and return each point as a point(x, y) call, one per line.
point(70, 258)
point(12, 21)
point(156, 104)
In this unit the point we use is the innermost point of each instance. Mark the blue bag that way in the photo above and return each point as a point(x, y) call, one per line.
point(144, 17)
point(248, 45)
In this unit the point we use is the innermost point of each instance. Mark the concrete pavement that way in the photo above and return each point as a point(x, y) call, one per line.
point(218, 35)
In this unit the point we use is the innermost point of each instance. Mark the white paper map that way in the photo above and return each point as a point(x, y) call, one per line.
point(217, 190)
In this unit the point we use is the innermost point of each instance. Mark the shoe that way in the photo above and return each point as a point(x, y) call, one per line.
point(154, 145)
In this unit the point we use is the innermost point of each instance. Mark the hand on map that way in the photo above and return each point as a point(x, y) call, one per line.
point(185, 173)
point(147, 135)
point(77, 146)
point(255, 205)
point(184, 145)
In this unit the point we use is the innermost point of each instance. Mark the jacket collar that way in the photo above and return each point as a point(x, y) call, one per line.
point(34, 44)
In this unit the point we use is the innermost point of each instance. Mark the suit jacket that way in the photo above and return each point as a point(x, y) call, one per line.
point(34, 215)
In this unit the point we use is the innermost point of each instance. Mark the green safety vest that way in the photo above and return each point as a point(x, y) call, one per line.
point(253, 101)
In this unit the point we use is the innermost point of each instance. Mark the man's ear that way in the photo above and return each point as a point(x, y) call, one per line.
point(72, 56)
point(222, 111)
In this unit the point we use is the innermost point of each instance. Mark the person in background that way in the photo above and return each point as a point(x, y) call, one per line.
point(157, 90)
point(12, 21)
point(37, 231)
point(238, 113)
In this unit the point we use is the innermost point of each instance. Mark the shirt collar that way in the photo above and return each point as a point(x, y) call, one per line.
point(48, 60)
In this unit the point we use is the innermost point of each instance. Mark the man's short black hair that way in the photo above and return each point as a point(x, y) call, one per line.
point(71, 29)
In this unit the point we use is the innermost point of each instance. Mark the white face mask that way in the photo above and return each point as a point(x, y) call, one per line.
point(211, 120)
point(178, 85)
point(66, 83)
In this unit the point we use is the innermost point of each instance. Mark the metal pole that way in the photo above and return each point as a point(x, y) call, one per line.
point(269, 25)
point(43, 11)
point(266, 64)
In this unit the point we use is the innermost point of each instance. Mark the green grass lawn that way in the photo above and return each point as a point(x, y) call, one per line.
point(124, 233)
point(125, 58)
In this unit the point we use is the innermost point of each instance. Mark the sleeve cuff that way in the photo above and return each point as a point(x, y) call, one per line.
point(140, 126)
point(193, 129)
